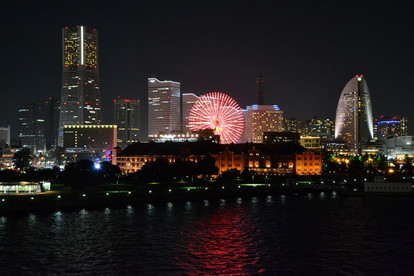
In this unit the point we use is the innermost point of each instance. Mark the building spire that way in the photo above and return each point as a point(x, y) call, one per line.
point(260, 88)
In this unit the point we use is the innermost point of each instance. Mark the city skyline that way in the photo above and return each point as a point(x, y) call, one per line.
point(274, 36)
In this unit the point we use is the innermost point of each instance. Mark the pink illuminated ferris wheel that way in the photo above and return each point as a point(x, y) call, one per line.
point(219, 112)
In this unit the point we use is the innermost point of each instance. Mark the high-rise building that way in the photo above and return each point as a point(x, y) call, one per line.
point(164, 100)
point(52, 114)
point(32, 126)
point(321, 127)
point(292, 125)
point(80, 98)
point(386, 127)
point(260, 119)
point(4, 136)
point(188, 100)
point(127, 119)
point(354, 122)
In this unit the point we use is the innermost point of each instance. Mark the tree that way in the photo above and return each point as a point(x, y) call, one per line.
point(81, 174)
point(407, 168)
point(108, 172)
point(246, 174)
point(381, 162)
point(158, 170)
point(182, 169)
point(356, 167)
point(230, 174)
point(9, 175)
point(207, 166)
point(22, 158)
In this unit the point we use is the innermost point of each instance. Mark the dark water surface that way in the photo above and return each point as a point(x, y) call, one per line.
point(318, 233)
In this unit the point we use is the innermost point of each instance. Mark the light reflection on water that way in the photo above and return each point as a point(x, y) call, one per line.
point(283, 199)
point(221, 243)
point(243, 236)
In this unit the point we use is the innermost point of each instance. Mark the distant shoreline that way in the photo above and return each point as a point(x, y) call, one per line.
point(72, 200)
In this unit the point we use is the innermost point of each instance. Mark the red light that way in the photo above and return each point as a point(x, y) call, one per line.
point(219, 112)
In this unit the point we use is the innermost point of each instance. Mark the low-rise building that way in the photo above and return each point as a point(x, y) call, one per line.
point(261, 159)
point(311, 142)
point(398, 147)
point(90, 141)
point(309, 163)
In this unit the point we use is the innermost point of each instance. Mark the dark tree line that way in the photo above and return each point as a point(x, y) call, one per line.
point(85, 173)
point(161, 170)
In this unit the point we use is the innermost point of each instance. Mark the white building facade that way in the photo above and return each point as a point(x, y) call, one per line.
point(164, 114)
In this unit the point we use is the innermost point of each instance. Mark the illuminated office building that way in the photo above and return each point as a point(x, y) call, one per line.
point(164, 100)
point(80, 97)
point(292, 125)
point(92, 142)
point(32, 126)
point(260, 119)
point(321, 127)
point(354, 122)
point(127, 119)
point(386, 127)
point(188, 100)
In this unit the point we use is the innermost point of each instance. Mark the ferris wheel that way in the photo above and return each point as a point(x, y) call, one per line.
point(219, 112)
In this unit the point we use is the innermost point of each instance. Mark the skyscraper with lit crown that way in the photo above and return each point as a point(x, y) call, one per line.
point(80, 97)
point(354, 122)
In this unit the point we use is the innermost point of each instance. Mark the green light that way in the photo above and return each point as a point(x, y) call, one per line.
point(359, 78)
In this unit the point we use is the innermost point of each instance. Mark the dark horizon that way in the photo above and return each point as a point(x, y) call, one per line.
point(307, 51)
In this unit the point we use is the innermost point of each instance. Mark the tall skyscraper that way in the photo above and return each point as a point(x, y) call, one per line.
point(80, 98)
point(354, 122)
point(127, 119)
point(188, 100)
point(32, 126)
point(164, 100)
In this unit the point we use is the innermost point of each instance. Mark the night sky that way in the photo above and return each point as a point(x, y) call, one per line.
point(308, 51)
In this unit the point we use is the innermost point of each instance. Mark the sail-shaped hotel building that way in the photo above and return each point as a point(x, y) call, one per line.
point(354, 122)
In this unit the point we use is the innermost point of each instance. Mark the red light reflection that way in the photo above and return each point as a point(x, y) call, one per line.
point(221, 244)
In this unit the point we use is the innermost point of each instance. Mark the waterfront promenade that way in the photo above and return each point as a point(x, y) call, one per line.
point(61, 200)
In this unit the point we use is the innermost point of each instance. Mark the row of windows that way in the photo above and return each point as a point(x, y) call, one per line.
point(310, 158)
point(310, 164)
point(305, 170)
